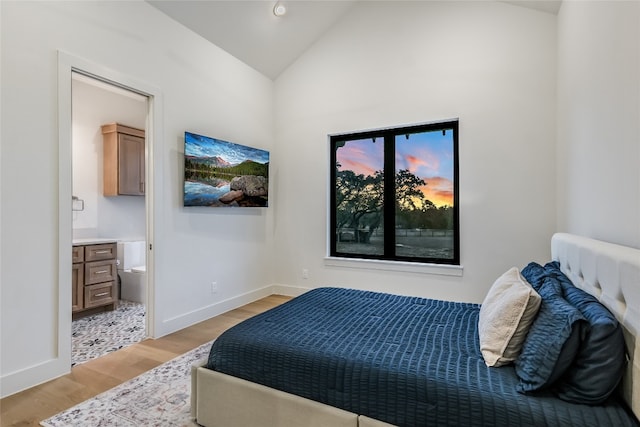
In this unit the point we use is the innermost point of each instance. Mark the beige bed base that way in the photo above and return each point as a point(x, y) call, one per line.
point(220, 400)
point(610, 272)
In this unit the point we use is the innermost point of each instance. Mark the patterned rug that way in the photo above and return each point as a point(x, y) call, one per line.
point(96, 335)
point(159, 397)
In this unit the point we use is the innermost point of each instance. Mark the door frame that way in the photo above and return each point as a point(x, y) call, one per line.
point(67, 64)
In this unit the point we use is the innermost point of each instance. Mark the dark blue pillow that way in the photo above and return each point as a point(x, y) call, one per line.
point(534, 273)
point(600, 362)
point(552, 341)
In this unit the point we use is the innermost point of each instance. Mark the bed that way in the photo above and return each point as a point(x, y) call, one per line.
point(341, 357)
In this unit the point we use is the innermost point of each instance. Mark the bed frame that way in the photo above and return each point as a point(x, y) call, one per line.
point(609, 272)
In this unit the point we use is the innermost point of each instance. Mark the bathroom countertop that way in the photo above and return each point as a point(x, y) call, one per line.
point(92, 241)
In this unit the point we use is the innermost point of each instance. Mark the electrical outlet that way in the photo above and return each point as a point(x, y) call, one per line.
point(305, 273)
point(214, 287)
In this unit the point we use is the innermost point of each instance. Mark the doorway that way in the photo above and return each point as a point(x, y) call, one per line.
point(72, 70)
point(109, 217)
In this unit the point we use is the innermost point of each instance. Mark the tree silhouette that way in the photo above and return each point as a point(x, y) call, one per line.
point(360, 199)
point(407, 191)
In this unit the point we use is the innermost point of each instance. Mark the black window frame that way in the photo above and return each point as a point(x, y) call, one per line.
point(388, 135)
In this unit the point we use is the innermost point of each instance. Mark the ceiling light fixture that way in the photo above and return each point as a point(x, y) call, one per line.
point(279, 9)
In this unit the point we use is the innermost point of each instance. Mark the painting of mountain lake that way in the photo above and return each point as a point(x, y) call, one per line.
point(222, 173)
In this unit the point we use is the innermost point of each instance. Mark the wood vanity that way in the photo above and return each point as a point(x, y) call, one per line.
point(94, 278)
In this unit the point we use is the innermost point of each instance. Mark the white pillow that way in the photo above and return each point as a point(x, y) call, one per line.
point(506, 314)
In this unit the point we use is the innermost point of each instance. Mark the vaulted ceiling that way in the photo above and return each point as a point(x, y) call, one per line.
point(251, 32)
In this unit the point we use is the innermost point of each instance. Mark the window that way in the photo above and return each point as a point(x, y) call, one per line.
point(394, 194)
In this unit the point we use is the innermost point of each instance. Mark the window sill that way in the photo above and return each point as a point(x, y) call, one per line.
point(405, 267)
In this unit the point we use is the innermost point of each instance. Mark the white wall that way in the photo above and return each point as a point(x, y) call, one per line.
point(115, 217)
point(493, 65)
point(599, 120)
point(203, 89)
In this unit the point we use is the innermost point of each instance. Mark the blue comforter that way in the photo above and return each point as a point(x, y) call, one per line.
point(407, 361)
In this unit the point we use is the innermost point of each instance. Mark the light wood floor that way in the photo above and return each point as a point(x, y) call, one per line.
point(89, 379)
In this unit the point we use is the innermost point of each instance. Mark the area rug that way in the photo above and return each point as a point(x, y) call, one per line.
point(159, 397)
point(96, 335)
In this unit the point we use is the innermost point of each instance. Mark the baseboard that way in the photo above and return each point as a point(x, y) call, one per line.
point(32, 376)
point(291, 291)
point(185, 320)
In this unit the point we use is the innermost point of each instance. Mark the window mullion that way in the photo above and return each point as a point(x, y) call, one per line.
point(389, 211)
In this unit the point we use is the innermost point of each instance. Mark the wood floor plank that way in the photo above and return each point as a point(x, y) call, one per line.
point(89, 379)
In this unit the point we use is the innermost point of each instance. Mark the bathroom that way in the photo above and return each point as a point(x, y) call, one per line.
point(114, 225)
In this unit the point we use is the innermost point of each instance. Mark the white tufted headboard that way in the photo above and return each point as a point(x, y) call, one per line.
point(612, 274)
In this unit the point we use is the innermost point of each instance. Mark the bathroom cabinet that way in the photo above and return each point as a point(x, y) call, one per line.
point(123, 149)
point(94, 278)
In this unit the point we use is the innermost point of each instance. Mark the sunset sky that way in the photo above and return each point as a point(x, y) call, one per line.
point(428, 155)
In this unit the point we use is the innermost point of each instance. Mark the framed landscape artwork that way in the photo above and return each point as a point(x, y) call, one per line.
point(219, 173)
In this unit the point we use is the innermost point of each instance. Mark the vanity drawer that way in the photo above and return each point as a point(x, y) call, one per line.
point(77, 254)
point(100, 294)
point(99, 252)
point(100, 271)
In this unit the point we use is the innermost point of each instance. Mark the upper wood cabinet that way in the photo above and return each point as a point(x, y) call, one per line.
point(123, 160)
